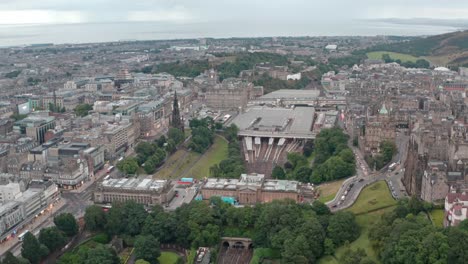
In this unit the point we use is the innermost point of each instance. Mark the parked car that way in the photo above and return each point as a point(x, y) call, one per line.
point(361, 180)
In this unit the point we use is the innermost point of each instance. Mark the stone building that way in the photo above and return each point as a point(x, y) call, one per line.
point(144, 191)
point(377, 129)
point(251, 189)
point(232, 93)
point(434, 185)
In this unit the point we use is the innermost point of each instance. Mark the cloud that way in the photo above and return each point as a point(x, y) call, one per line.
point(176, 15)
point(40, 17)
point(73, 11)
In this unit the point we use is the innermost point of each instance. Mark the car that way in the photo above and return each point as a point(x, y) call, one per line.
point(351, 185)
point(176, 195)
point(361, 180)
point(334, 206)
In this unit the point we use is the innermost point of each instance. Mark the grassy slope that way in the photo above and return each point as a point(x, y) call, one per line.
point(437, 216)
point(375, 197)
point(377, 55)
point(168, 257)
point(217, 152)
point(176, 164)
point(328, 190)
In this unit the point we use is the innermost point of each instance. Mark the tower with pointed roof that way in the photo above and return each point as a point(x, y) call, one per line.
point(176, 120)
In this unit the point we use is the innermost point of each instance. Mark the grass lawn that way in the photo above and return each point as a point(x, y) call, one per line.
point(328, 190)
point(373, 197)
point(125, 255)
point(168, 257)
point(437, 216)
point(176, 164)
point(377, 55)
point(215, 154)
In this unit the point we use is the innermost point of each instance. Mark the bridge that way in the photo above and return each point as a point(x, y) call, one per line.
point(235, 250)
point(236, 242)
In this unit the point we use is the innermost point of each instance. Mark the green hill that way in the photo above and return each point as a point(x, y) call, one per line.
point(449, 49)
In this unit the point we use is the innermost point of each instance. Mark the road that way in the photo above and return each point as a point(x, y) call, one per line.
point(184, 195)
point(72, 201)
point(351, 188)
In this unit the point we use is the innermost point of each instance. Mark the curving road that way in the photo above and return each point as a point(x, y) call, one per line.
point(352, 187)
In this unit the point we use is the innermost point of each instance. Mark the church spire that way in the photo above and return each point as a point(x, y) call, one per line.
point(176, 121)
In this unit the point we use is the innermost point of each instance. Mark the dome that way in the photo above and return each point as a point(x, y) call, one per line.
point(383, 110)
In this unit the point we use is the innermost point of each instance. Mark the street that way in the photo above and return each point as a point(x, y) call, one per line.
point(184, 195)
point(351, 188)
point(72, 201)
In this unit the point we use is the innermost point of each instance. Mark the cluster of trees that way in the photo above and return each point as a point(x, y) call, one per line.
point(82, 109)
point(12, 74)
point(387, 151)
point(233, 166)
point(151, 155)
point(271, 84)
point(301, 232)
point(186, 68)
point(50, 240)
point(18, 117)
point(333, 158)
point(33, 81)
point(243, 61)
point(246, 61)
point(406, 235)
point(349, 61)
point(420, 63)
point(202, 134)
point(56, 108)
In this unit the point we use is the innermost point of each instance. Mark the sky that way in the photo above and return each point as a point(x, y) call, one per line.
point(203, 11)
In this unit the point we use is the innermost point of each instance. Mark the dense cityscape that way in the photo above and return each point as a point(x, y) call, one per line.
point(238, 150)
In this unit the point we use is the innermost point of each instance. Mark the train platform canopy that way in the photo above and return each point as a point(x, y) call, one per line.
point(276, 122)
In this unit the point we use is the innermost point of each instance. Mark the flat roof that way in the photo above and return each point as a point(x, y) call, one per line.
point(276, 122)
point(135, 184)
point(292, 94)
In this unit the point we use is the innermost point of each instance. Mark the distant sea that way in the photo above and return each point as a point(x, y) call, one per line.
point(14, 35)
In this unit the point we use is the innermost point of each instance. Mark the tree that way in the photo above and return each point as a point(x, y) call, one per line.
point(95, 218)
point(353, 256)
point(147, 248)
point(171, 146)
point(10, 259)
point(320, 208)
point(83, 109)
point(66, 222)
point(278, 173)
point(128, 166)
point(142, 261)
point(52, 238)
point(177, 135)
point(32, 250)
point(329, 247)
point(342, 228)
point(101, 255)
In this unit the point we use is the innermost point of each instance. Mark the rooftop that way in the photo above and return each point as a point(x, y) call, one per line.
point(135, 184)
point(292, 94)
point(282, 122)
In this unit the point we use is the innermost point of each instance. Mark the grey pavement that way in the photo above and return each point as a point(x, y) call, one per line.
point(351, 188)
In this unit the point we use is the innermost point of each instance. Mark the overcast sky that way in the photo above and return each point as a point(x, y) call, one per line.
point(193, 11)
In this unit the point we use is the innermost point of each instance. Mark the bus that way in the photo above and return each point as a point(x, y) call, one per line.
point(110, 169)
point(120, 159)
point(107, 177)
point(21, 236)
